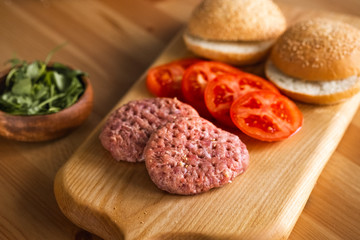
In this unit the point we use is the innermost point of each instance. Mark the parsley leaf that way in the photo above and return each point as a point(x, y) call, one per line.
point(35, 88)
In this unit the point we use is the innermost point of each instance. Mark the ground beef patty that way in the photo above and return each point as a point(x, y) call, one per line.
point(128, 129)
point(191, 155)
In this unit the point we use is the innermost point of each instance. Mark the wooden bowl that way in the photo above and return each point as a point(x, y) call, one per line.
point(38, 128)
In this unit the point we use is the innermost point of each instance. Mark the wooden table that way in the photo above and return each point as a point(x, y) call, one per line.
point(115, 41)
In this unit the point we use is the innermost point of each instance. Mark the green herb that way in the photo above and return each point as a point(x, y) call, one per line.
point(35, 88)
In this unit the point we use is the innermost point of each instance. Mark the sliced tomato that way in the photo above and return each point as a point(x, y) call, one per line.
point(165, 80)
point(187, 62)
point(221, 92)
point(266, 116)
point(196, 78)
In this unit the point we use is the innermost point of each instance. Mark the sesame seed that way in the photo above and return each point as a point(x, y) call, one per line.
point(323, 39)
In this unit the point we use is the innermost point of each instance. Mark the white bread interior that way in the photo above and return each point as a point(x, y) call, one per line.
point(232, 52)
point(317, 92)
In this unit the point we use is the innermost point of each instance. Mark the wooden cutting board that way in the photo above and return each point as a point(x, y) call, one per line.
point(118, 200)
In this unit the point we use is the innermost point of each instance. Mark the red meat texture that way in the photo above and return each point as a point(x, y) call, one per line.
point(191, 155)
point(129, 128)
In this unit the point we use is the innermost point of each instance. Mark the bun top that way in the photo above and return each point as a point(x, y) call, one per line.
point(237, 20)
point(318, 50)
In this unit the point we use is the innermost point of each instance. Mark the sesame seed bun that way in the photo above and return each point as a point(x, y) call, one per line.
point(238, 32)
point(318, 50)
point(237, 20)
point(315, 92)
point(236, 53)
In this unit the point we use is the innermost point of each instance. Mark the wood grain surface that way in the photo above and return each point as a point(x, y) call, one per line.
point(119, 201)
point(115, 41)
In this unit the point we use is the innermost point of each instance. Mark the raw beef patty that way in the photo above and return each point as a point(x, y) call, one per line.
point(191, 155)
point(128, 129)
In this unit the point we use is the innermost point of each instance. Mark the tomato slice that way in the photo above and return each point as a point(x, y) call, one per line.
point(196, 78)
point(165, 80)
point(221, 92)
point(266, 116)
point(187, 62)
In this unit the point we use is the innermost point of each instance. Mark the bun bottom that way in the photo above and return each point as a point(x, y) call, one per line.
point(236, 53)
point(315, 92)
